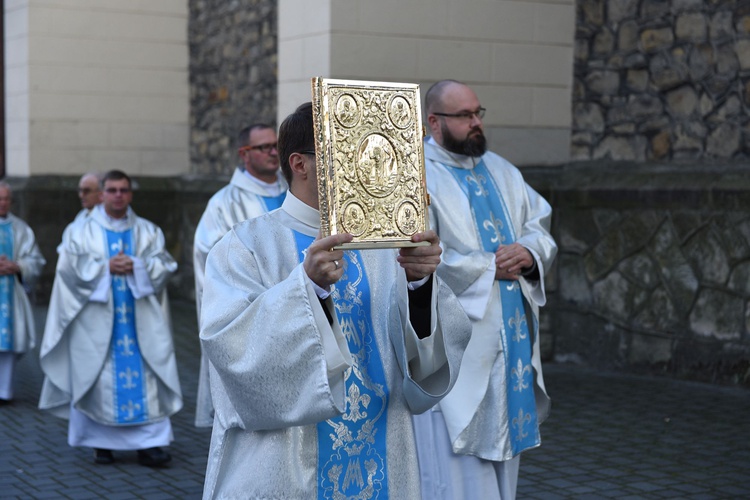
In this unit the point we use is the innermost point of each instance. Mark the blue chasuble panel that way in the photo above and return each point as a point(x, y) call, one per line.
point(352, 447)
point(129, 395)
point(7, 284)
point(493, 225)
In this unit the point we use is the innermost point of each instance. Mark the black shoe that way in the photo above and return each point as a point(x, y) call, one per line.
point(5, 402)
point(153, 457)
point(103, 457)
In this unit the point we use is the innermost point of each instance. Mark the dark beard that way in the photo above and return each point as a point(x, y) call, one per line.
point(475, 145)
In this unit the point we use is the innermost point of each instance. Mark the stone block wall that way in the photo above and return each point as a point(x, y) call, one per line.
point(661, 80)
point(233, 77)
point(653, 271)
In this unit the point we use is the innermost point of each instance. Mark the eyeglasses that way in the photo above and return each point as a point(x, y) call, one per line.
point(307, 152)
point(263, 148)
point(466, 115)
point(116, 190)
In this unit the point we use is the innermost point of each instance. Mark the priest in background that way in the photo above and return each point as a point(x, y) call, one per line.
point(21, 264)
point(107, 352)
point(256, 187)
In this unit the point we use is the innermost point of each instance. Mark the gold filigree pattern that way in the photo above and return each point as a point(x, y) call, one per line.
point(370, 161)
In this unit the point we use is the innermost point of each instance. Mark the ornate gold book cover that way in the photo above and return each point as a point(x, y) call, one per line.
point(370, 161)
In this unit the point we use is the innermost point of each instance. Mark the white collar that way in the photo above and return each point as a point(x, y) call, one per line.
point(301, 211)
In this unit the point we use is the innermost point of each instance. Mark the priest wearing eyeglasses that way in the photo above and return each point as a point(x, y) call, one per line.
point(256, 187)
point(494, 231)
point(107, 352)
point(90, 194)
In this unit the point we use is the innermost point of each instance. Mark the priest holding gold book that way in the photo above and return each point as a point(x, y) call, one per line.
point(320, 355)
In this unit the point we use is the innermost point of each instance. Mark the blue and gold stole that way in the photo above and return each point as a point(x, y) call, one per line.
point(129, 387)
point(273, 202)
point(493, 224)
point(352, 447)
point(6, 290)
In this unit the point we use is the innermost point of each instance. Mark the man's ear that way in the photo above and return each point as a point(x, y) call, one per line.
point(297, 164)
point(434, 125)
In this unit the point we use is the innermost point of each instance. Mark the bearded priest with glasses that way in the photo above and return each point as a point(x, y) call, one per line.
point(494, 231)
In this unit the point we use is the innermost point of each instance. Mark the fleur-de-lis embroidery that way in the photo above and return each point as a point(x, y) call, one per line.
point(122, 313)
point(5, 310)
point(519, 422)
point(130, 408)
point(519, 372)
point(117, 246)
point(129, 375)
point(496, 225)
point(480, 181)
point(515, 322)
point(125, 342)
point(356, 402)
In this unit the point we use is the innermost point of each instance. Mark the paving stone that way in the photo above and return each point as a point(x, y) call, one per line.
point(608, 436)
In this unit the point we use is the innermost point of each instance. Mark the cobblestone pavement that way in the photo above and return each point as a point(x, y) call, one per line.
point(609, 436)
point(634, 437)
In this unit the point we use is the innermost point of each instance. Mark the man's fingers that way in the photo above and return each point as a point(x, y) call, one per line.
point(334, 240)
point(430, 236)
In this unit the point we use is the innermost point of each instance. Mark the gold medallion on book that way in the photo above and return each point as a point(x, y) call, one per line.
point(370, 161)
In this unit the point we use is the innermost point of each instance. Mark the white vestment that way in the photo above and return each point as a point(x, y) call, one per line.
point(279, 368)
point(75, 353)
point(80, 216)
point(23, 337)
point(238, 201)
point(475, 412)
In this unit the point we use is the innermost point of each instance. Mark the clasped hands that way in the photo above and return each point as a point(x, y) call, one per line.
point(324, 265)
point(7, 266)
point(510, 260)
point(121, 264)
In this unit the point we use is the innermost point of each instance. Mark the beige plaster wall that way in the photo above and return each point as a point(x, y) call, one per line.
point(517, 55)
point(96, 85)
